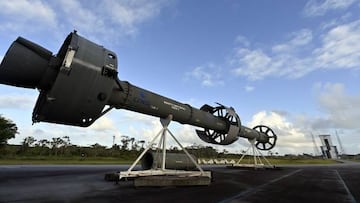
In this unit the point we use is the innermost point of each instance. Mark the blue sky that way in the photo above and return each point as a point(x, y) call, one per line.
point(292, 65)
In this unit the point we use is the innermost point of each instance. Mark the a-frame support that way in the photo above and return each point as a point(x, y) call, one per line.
point(256, 160)
point(130, 173)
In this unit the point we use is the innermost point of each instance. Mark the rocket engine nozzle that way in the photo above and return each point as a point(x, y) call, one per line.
point(24, 64)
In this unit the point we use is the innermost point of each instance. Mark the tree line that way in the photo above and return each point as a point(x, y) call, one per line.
point(62, 147)
point(129, 148)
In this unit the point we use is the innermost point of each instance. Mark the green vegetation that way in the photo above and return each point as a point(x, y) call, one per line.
point(65, 161)
point(61, 151)
point(7, 130)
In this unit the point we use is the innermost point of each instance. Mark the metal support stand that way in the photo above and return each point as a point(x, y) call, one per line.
point(256, 155)
point(163, 171)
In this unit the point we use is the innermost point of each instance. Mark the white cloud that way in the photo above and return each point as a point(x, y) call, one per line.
point(103, 124)
point(254, 64)
point(144, 127)
point(336, 21)
point(249, 88)
point(78, 135)
point(320, 8)
point(16, 101)
point(23, 13)
point(129, 14)
point(209, 75)
point(339, 49)
point(297, 39)
point(186, 135)
point(242, 40)
point(134, 117)
point(282, 60)
point(339, 111)
point(342, 110)
point(108, 20)
point(79, 17)
point(291, 139)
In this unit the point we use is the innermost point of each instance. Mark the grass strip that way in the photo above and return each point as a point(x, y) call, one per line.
point(61, 161)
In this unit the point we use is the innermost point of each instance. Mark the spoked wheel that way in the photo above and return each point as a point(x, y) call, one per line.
point(271, 138)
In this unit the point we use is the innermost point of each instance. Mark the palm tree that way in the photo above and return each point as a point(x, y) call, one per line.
point(28, 141)
point(56, 143)
point(44, 143)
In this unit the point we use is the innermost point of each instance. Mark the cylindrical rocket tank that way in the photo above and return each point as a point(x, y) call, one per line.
point(177, 161)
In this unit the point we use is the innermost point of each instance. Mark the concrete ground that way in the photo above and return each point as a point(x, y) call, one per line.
point(326, 183)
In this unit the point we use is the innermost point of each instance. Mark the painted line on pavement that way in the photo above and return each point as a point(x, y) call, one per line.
point(256, 189)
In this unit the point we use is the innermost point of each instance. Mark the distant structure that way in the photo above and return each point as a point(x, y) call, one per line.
point(328, 150)
point(316, 149)
point(342, 150)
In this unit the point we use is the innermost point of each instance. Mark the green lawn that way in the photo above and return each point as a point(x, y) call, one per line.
point(302, 161)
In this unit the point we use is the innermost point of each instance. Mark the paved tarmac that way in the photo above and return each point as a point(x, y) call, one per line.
point(325, 183)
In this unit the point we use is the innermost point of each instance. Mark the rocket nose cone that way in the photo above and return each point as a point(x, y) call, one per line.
point(24, 64)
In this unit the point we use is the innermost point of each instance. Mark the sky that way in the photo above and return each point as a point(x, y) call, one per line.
point(291, 65)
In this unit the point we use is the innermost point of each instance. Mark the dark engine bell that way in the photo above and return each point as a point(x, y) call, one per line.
point(24, 64)
point(74, 84)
